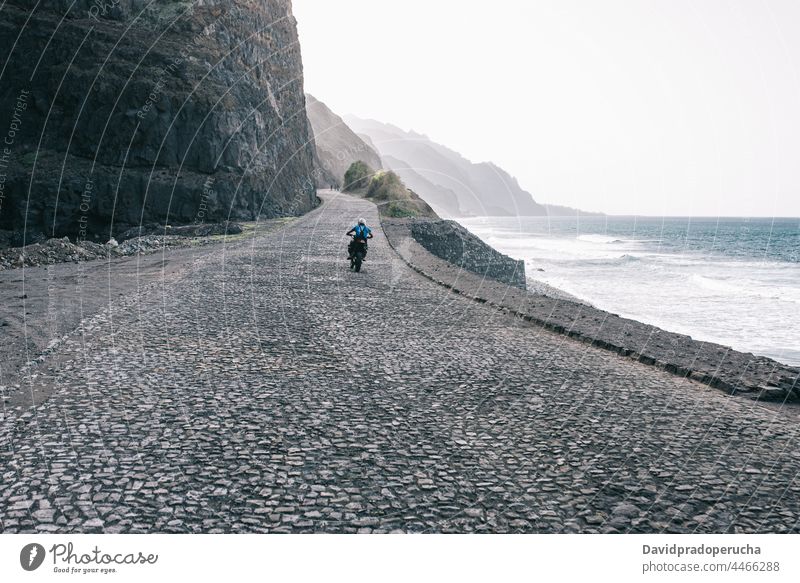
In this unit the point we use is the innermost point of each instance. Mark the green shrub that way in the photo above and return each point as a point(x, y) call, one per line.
point(400, 210)
point(357, 176)
point(387, 186)
point(28, 159)
point(394, 199)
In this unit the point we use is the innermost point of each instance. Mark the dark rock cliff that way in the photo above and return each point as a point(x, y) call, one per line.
point(119, 112)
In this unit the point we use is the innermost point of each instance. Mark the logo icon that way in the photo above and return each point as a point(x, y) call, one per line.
point(31, 556)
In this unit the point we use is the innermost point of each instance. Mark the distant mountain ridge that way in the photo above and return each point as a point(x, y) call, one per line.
point(337, 146)
point(443, 200)
point(452, 184)
point(557, 210)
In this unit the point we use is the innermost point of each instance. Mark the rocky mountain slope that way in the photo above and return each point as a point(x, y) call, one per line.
point(461, 187)
point(124, 112)
point(337, 146)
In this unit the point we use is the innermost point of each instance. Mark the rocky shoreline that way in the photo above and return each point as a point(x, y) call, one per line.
point(755, 377)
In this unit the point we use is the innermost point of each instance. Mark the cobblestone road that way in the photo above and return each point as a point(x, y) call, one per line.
point(272, 390)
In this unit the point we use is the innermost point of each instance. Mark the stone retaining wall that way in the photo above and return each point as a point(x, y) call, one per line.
point(450, 241)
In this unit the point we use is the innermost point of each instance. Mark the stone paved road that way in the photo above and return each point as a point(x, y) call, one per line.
point(272, 390)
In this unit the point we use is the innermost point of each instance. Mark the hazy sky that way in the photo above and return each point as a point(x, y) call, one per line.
point(662, 107)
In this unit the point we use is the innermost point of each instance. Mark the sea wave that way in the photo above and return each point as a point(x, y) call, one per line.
point(721, 282)
point(746, 288)
point(601, 239)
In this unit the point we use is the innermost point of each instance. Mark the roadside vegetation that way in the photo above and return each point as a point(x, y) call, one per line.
point(357, 177)
point(387, 191)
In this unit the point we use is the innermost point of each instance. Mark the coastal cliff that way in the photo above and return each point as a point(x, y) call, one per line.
point(337, 146)
point(126, 112)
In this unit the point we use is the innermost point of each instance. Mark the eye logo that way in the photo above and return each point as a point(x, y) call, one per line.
point(31, 556)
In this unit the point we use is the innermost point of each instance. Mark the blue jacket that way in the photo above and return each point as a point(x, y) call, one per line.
point(361, 231)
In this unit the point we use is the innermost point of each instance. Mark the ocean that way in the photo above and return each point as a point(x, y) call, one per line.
point(733, 281)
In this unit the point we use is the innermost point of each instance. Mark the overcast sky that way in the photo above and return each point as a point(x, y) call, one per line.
point(665, 107)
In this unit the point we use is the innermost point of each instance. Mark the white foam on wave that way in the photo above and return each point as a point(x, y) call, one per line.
point(747, 304)
point(738, 288)
point(601, 239)
point(545, 248)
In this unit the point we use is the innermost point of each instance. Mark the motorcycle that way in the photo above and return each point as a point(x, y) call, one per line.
point(358, 251)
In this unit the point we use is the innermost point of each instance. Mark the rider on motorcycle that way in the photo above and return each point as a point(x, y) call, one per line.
point(360, 232)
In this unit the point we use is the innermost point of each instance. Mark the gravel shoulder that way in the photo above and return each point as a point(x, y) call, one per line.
point(42, 305)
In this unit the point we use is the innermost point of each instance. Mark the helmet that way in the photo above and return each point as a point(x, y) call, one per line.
point(362, 222)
